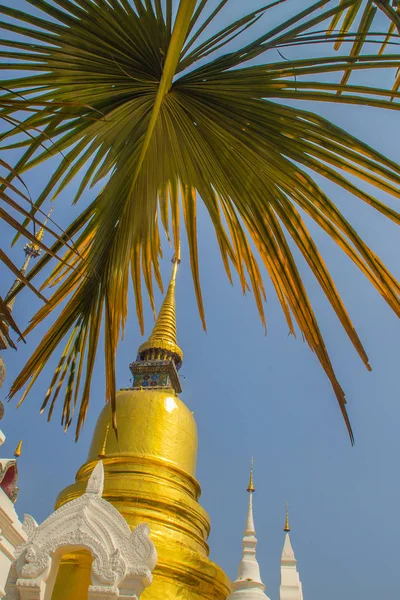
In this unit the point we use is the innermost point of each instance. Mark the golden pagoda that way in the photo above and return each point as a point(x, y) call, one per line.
point(150, 475)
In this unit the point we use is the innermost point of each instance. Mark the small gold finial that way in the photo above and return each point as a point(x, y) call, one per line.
point(163, 336)
point(287, 526)
point(18, 449)
point(102, 453)
point(32, 249)
point(251, 487)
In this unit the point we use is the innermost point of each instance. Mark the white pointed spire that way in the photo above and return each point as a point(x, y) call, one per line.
point(248, 585)
point(290, 588)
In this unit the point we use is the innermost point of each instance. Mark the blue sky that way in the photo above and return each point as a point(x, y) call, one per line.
point(263, 396)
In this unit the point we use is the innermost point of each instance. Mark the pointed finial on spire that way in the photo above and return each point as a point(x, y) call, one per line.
point(290, 580)
point(159, 359)
point(95, 484)
point(162, 343)
point(31, 249)
point(287, 526)
point(251, 487)
point(102, 453)
point(18, 449)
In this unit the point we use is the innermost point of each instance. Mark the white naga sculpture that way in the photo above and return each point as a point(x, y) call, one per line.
point(123, 560)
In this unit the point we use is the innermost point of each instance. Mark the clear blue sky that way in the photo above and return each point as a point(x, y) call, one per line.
point(265, 397)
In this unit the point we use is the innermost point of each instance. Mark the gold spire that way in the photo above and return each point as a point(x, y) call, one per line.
point(31, 250)
point(287, 526)
point(163, 337)
point(102, 453)
point(251, 487)
point(18, 449)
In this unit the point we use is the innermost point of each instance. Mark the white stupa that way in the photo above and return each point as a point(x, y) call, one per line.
point(290, 588)
point(249, 585)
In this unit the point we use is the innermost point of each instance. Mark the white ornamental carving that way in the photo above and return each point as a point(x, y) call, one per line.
point(121, 557)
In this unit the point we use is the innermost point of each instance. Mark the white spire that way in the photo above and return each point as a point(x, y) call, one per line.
point(290, 588)
point(248, 585)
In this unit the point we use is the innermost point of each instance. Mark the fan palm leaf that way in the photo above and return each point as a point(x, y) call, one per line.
point(16, 202)
point(366, 12)
point(172, 117)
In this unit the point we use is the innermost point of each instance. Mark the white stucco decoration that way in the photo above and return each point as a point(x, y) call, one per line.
point(123, 560)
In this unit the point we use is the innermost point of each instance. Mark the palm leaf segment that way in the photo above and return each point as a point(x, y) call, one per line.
point(16, 202)
point(158, 107)
point(366, 11)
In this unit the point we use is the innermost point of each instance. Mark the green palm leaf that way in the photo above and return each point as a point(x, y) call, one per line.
point(367, 13)
point(172, 117)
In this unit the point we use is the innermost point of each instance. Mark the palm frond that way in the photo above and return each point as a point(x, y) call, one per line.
point(16, 200)
point(158, 111)
point(7, 322)
point(366, 11)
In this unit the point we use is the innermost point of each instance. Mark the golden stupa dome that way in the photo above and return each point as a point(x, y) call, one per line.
point(164, 426)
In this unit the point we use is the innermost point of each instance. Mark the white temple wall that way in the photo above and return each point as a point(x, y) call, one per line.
point(11, 536)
